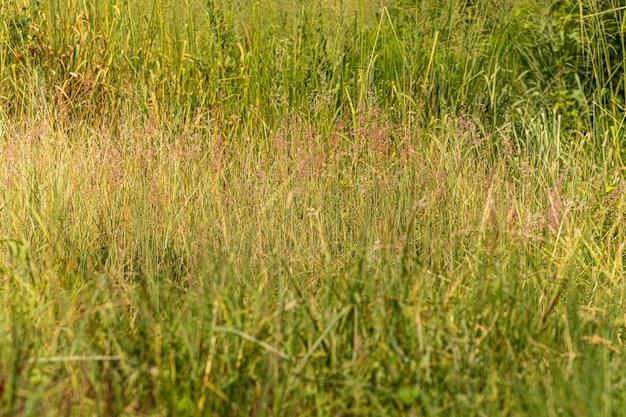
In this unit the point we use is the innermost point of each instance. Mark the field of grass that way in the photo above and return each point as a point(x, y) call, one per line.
point(321, 208)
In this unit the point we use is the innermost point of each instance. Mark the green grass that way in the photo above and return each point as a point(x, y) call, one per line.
point(326, 208)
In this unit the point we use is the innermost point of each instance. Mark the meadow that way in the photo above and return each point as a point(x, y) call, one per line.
point(321, 208)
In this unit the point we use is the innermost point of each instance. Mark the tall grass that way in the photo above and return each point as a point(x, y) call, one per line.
point(326, 208)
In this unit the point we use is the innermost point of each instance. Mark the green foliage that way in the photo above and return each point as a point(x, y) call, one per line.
point(311, 208)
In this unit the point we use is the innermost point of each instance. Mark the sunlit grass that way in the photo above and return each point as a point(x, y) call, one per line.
point(269, 209)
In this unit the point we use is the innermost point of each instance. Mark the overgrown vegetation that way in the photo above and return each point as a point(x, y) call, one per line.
point(357, 207)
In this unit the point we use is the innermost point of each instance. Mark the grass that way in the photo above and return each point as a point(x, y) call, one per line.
point(338, 208)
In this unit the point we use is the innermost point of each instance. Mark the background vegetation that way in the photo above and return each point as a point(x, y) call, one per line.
point(351, 207)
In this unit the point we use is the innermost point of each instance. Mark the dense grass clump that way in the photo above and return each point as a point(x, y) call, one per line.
point(324, 208)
